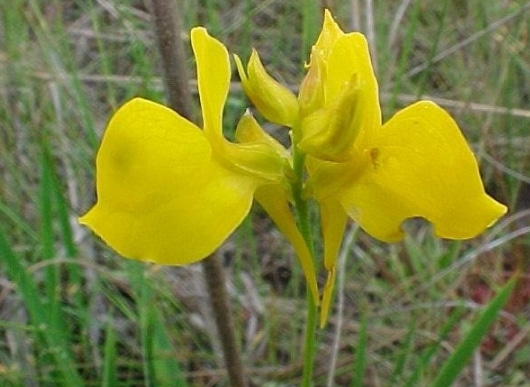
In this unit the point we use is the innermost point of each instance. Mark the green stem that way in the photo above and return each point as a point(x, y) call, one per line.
point(301, 207)
point(309, 341)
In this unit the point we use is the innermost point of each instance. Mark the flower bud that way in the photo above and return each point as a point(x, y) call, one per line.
point(329, 133)
point(273, 100)
point(311, 95)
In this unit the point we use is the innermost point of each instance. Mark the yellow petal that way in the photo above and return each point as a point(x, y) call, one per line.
point(274, 201)
point(330, 133)
point(257, 155)
point(350, 112)
point(329, 34)
point(350, 58)
point(327, 296)
point(213, 77)
point(273, 100)
point(249, 131)
point(419, 165)
point(333, 224)
point(312, 95)
point(161, 196)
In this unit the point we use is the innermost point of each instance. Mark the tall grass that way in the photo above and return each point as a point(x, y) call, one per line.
point(73, 313)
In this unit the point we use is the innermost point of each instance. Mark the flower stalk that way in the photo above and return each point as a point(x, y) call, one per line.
point(301, 208)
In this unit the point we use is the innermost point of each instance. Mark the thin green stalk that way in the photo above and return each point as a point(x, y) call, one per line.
point(309, 341)
point(167, 27)
point(301, 205)
point(302, 212)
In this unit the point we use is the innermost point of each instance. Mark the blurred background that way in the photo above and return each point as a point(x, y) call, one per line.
point(72, 312)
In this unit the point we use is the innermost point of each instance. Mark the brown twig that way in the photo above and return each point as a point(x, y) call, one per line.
point(167, 27)
point(167, 30)
point(215, 281)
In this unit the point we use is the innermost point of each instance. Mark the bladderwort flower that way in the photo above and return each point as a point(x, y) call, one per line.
point(171, 193)
point(417, 164)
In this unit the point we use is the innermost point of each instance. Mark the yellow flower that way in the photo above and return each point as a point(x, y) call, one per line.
point(349, 94)
point(418, 164)
point(169, 192)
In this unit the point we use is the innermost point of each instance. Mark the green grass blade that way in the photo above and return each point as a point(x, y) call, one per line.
point(18, 222)
point(359, 365)
point(60, 213)
point(426, 356)
point(50, 338)
point(403, 357)
point(311, 24)
point(53, 312)
point(459, 358)
point(165, 364)
point(160, 366)
point(109, 365)
point(142, 295)
point(18, 274)
point(46, 211)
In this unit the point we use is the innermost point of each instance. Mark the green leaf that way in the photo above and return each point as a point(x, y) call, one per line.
point(463, 352)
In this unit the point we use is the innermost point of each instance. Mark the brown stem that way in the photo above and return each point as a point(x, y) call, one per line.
point(167, 29)
point(215, 280)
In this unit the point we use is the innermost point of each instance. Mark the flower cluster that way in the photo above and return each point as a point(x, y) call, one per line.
point(171, 193)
